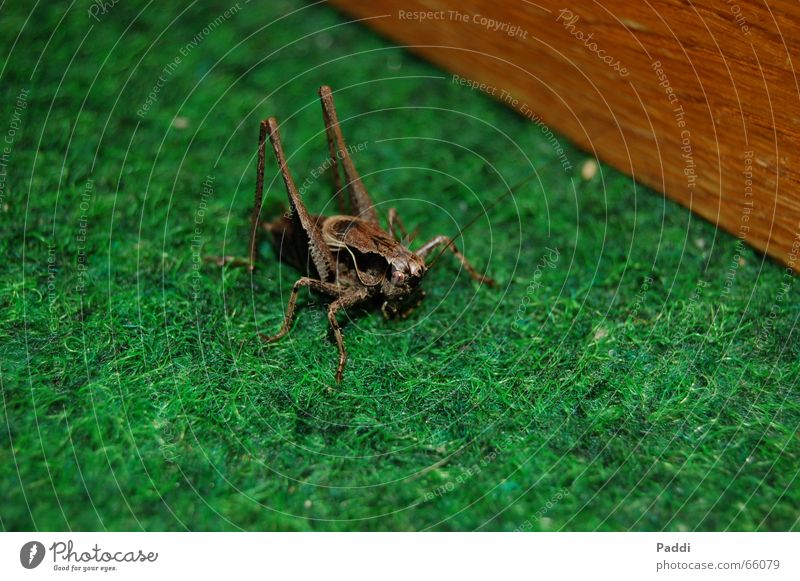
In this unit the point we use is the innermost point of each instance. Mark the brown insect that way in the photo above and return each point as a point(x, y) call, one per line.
point(348, 257)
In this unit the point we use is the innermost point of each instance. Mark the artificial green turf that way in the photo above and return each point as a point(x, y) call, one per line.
point(645, 378)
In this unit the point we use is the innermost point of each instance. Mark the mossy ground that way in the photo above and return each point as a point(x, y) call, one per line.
point(636, 368)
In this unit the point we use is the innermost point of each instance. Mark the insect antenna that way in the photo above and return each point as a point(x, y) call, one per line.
point(500, 198)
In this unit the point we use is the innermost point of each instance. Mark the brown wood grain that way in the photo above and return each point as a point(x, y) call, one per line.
point(730, 156)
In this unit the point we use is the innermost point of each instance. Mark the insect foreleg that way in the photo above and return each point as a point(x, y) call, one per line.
point(345, 300)
point(312, 283)
point(441, 239)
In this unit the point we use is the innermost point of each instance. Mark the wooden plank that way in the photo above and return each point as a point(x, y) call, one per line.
point(699, 101)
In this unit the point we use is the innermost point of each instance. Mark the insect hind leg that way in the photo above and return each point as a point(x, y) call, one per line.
point(358, 197)
point(255, 215)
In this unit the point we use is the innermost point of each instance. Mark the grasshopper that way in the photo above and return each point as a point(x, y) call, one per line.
point(349, 256)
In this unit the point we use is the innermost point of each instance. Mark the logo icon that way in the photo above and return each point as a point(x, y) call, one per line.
point(31, 554)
